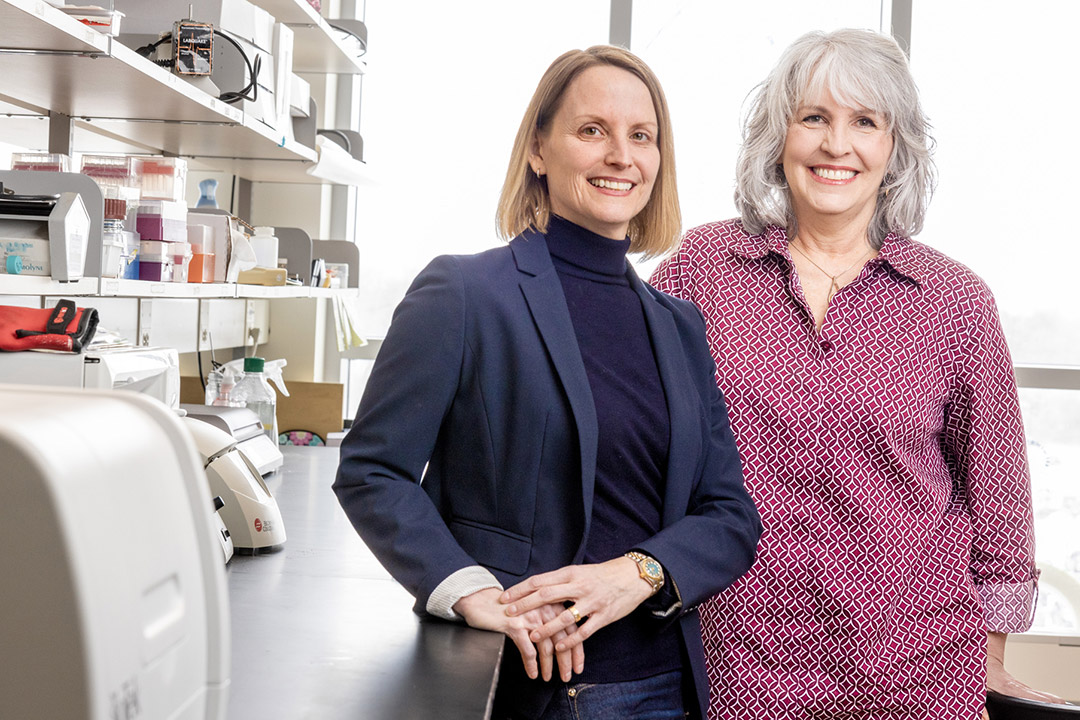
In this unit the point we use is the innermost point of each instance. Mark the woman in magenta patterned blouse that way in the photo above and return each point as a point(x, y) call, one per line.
point(874, 405)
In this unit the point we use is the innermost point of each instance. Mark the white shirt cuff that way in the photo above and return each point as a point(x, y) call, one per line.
point(464, 582)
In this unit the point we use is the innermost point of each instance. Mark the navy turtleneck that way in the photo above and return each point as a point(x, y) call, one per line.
point(634, 429)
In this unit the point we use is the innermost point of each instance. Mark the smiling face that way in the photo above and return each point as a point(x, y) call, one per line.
point(599, 152)
point(834, 159)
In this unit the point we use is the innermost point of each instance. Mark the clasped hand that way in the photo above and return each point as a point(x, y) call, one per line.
point(483, 610)
point(535, 616)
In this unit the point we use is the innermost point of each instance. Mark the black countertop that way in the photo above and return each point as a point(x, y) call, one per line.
point(320, 630)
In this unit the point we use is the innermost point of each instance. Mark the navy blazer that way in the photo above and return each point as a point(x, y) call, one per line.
point(480, 391)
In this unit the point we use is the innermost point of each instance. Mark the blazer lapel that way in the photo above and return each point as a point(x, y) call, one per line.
point(685, 444)
point(547, 304)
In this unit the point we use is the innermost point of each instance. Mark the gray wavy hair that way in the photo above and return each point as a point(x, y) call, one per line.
point(861, 68)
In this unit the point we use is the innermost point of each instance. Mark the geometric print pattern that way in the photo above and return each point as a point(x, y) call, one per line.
point(886, 455)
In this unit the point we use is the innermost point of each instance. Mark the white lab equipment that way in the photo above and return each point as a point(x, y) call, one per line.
point(223, 534)
point(153, 371)
point(250, 511)
point(48, 234)
point(246, 430)
point(113, 602)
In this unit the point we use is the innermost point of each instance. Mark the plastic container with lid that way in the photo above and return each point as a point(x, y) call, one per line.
point(201, 267)
point(47, 162)
point(265, 245)
point(111, 170)
point(155, 262)
point(164, 220)
point(163, 178)
point(180, 253)
point(256, 394)
point(155, 269)
point(112, 249)
point(120, 252)
point(115, 174)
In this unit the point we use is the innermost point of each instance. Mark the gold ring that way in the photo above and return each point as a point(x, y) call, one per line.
point(574, 611)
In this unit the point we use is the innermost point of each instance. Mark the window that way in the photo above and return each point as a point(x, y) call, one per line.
point(709, 56)
point(442, 105)
point(998, 86)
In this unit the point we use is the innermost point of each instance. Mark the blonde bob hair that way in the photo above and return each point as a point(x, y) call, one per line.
point(860, 68)
point(525, 203)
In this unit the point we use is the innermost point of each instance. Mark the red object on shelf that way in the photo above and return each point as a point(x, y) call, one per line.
point(317, 4)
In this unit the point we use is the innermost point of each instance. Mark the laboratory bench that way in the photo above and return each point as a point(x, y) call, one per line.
point(320, 630)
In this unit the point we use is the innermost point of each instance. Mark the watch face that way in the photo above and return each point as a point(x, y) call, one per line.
point(653, 569)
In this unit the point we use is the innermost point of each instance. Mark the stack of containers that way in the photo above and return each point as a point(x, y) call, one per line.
point(162, 225)
point(120, 187)
point(47, 162)
point(162, 220)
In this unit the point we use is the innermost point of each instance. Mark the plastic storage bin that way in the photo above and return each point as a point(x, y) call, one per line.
point(163, 178)
point(155, 269)
point(201, 268)
point(118, 181)
point(164, 220)
point(181, 259)
point(265, 245)
point(48, 162)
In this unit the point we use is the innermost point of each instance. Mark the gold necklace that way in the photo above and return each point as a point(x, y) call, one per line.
point(834, 285)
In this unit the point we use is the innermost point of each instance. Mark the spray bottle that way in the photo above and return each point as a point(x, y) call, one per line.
point(250, 388)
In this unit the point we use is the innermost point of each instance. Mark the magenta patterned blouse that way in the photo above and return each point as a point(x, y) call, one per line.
point(886, 454)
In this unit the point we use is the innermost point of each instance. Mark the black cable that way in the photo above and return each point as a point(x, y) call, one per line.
point(253, 73)
point(147, 50)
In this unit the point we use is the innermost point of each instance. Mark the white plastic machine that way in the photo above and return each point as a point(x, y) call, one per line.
point(113, 599)
point(247, 431)
point(43, 234)
point(154, 371)
point(249, 511)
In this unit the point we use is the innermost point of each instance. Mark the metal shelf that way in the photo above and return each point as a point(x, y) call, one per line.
point(36, 25)
point(116, 287)
point(122, 103)
point(272, 291)
point(290, 12)
point(121, 288)
point(316, 48)
point(35, 285)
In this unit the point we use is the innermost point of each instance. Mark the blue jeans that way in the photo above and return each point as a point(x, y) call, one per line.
point(655, 698)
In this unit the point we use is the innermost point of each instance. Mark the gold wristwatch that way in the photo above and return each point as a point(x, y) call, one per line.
point(649, 569)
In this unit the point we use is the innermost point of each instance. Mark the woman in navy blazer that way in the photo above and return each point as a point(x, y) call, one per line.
point(541, 449)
